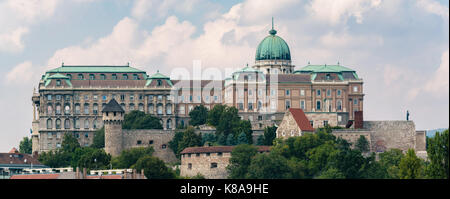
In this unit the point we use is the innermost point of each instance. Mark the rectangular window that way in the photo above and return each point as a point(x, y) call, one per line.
point(318, 92)
point(302, 104)
point(95, 97)
point(213, 165)
point(318, 105)
point(104, 97)
point(288, 104)
point(329, 92)
point(58, 82)
point(132, 97)
point(58, 97)
point(86, 97)
point(288, 92)
point(355, 101)
point(355, 89)
point(122, 97)
point(325, 123)
point(114, 77)
point(49, 97)
point(339, 92)
point(302, 92)
point(141, 97)
point(160, 98)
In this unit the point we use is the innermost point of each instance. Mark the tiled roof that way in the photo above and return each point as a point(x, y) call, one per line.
point(13, 150)
point(35, 176)
point(105, 177)
point(301, 119)
point(18, 159)
point(216, 149)
point(113, 106)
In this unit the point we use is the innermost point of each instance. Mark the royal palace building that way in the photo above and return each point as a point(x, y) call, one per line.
point(69, 99)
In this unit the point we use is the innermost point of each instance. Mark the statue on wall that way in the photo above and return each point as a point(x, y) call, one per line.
point(407, 115)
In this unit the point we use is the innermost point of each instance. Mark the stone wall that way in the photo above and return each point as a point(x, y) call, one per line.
point(288, 127)
point(385, 135)
point(158, 139)
point(201, 164)
point(319, 118)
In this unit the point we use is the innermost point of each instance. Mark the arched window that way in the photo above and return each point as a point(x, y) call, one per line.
point(102, 76)
point(169, 124)
point(131, 107)
point(49, 109)
point(67, 109)
point(159, 108)
point(95, 109)
point(77, 123)
point(77, 109)
point(58, 123)
point(86, 109)
point(339, 105)
point(86, 124)
point(259, 105)
point(95, 125)
point(80, 76)
point(169, 109)
point(125, 76)
point(58, 109)
point(49, 124)
point(141, 107)
point(159, 82)
point(92, 77)
point(318, 105)
point(67, 124)
point(150, 108)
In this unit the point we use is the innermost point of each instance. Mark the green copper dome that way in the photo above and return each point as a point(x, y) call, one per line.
point(273, 47)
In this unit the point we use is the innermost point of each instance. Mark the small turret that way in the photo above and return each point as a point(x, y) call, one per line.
point(113, 116)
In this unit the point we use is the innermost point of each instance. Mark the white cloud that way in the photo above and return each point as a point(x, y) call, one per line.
point(20, 74)
point(434, 7)
point(147, 8)
point(439, 83)
point(12, 41)
point(336, 12)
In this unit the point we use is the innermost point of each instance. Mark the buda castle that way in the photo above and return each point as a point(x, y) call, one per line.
point(70, 98)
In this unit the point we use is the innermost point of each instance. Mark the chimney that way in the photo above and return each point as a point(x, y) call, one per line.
point(84, 173)
point(77, 173)
point(359, 121)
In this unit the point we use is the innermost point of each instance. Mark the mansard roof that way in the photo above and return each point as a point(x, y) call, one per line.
point(113, 106)
point(95, 69)
point(289, 78)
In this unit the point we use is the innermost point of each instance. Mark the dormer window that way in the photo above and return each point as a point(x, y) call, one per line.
point(58, 82)
point(125, 77)
point(80, 76)
point(135, 77)
point(159, 83)
point(114, 77)
point(102, 76)
point(92, 77)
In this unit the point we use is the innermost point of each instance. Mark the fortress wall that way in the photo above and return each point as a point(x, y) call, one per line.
point(145, 136)
point(391, 134)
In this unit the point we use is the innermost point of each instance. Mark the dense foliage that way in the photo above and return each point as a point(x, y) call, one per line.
point(140, 120)
point(185, 139)
point(198, 115)
point(25, 146)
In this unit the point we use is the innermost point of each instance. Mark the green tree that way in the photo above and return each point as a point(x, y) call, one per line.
point(362, 144)
point(438, 155)
point(348, 161)
point(190, 139)
point(229, 120)
point(94, 159)
point(198, 115)
point(99, 139)
point(25, 146)
point(55, 159)
point(128, 158)
point(390, 161)
point(215, 114)
point(139, 120)
point(240, 160)
point(243, 126)
point(231, 141)
point(69, 143)
point(154, 168)
point(175, 142)
point(209, 138)
point(331, 173)
point(260, 140)
point(242, 138)
point(269, 135)
point(268, 166)
point(410, 166)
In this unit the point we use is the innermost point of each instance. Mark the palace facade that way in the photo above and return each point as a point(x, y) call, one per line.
point(70, 99)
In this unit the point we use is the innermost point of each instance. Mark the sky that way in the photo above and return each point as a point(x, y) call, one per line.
point(398, 47)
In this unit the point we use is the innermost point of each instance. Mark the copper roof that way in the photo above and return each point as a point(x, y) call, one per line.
point(216, 149)
point(301, 119)
point(291, 78)
point(108, 83)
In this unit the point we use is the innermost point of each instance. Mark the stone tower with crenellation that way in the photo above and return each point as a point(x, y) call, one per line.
point(113, 116)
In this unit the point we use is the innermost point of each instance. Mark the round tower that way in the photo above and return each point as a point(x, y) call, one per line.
point(113, 116)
